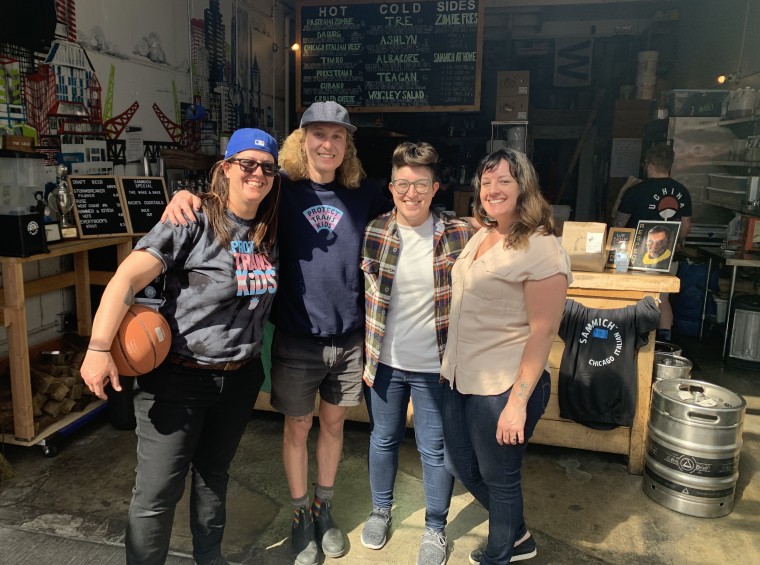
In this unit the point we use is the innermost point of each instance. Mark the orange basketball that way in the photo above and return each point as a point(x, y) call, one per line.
point(142, 342)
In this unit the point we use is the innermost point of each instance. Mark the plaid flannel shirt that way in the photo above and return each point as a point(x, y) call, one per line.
point(380, 252)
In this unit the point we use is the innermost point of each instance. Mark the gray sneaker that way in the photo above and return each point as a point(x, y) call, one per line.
point(375, 531)
point(434, 549)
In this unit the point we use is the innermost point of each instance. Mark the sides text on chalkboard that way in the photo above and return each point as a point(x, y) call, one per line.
point(145, 199)
point(98, 206)
point(390, 56)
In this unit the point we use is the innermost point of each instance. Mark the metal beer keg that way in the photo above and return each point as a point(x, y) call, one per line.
point(667, 366)
point(695, 436)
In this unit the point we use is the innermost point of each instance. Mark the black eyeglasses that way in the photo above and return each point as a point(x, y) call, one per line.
point(249, 166)
point(421, 186)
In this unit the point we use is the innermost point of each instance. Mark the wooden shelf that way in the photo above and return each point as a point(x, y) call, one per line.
point(15, 291)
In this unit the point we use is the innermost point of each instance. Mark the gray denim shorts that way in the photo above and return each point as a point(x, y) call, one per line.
point(305, 365)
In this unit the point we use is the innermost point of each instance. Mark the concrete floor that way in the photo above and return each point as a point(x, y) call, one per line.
point(582, 507)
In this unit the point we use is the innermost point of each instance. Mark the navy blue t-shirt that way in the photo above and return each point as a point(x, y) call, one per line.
point(320, 233)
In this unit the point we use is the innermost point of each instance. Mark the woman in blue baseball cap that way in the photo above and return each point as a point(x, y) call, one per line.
point(221, 276)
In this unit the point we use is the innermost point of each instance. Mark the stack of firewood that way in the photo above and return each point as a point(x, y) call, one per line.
point(57, 387)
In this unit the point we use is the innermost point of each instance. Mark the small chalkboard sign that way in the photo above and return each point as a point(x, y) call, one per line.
point(98, 206)
point(145, 199)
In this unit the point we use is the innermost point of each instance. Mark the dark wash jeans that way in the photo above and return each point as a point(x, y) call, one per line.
point(187, 419)
point(491, 472)
point(387, 403)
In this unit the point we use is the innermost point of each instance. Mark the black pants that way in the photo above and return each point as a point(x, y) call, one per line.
point(187, 419)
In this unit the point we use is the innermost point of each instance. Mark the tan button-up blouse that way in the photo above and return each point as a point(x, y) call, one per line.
point(488, 323)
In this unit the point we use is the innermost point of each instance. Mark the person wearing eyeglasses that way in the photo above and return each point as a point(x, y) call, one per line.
point(221, 276)
point(319, 311)
point(407, 256)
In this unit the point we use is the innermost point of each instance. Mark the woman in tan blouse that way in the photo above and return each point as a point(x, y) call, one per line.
point(508, 293)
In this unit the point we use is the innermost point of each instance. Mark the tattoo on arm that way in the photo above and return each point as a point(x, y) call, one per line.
point(523, 391)
point(129, 297)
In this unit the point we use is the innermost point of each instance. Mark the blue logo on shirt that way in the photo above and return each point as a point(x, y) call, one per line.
point(600, 333)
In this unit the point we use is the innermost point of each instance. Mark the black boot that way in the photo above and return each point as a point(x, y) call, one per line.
point(329, 537)
point(302, 541)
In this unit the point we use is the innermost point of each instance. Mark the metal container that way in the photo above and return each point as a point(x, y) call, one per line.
point(693, 445)
point(744, 350)
point(667, 347)
point(669, 366)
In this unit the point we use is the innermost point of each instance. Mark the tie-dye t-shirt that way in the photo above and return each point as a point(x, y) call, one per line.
point(216, 299)
point(320, 236)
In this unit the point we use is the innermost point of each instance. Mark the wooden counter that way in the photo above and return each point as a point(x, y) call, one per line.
point(13, 302)
point(608, 290)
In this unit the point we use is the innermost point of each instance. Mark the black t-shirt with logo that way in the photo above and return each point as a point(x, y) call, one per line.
point(656, 200)
point(598, 376)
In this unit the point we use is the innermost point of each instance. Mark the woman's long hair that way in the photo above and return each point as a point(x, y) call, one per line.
point(295, 163)
point(534, 214)
point(264, 231)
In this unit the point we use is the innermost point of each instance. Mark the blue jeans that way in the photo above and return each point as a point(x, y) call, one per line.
point(387, 402)
point(491, 472)
point(187, 419)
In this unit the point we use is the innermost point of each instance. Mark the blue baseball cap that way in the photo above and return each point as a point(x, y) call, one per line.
point(251, 138)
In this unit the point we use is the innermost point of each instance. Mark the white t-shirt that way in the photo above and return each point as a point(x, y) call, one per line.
point(410, 341)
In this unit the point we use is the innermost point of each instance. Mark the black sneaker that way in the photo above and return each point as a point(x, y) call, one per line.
point(302, 541)
point(526, 549)
point(329, 537)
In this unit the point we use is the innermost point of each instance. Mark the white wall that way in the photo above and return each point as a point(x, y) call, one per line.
point(119, 35)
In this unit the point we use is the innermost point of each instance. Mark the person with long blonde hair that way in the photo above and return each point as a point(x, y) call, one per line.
point(319, 314)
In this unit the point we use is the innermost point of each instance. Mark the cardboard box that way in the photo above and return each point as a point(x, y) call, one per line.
point(463, 203)
point(18, 143)
point(512, 83)
point(509, 108)
point(631, 116)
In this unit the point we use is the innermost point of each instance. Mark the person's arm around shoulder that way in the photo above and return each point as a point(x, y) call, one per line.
point(181, 207)
point(544, 303)
point(134, 274)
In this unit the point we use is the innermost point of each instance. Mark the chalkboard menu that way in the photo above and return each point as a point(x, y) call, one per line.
point(145, 198)
point(98, 206)
point(390, 56)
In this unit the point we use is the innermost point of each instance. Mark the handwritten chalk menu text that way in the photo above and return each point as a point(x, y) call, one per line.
point(390, 56)
point(145, 198)
point(97, 206)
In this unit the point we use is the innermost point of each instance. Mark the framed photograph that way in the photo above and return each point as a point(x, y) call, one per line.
point(53, 232)
point(615, 238)
point(752, 235)
point(654, 245)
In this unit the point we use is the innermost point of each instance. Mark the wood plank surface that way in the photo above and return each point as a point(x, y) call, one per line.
point(632, 280)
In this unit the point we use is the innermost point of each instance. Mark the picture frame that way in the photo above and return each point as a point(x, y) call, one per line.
point(654, 245)
point(53, 232)
point(752, 235)
point(615, 237)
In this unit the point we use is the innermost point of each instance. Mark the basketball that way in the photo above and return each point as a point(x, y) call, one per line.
point(142, 342)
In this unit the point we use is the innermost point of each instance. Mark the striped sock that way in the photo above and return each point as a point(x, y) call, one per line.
point(321, 494)
point(299, 504)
